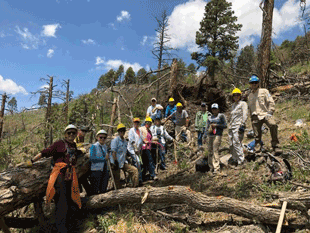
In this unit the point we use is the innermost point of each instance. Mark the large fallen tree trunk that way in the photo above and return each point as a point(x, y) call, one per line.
point(184, 195)
point(21, 186)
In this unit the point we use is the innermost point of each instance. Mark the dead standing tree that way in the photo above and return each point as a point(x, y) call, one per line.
point(4, 96)
point(66, 109)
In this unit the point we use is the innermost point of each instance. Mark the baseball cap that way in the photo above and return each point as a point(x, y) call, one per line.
point(215, 105)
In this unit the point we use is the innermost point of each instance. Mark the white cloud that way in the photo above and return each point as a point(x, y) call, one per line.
point(147, 67)
point(144, 40)
point(29, 41)
point(89, 41)
point(10, 87)
point(45, 86)
point(114, 64)
point(185, 21)
point(50, 53)
point(50, 30)
point(123, 15)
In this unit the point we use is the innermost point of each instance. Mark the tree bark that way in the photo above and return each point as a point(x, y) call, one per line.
point(67, 101)
point(265, 43)
point(184, 195)
point(173, 79)
point(48, 137)
point(110, 131)
point(4, 96)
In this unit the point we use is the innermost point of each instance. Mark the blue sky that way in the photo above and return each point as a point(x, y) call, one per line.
point(81, 39)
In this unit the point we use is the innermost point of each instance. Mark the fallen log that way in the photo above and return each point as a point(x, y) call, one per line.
point(21, 186)
point(184, 195)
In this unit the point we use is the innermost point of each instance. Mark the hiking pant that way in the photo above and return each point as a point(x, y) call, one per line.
point(181, 131)
point(65, 207)
point(136, 163)
point(214, 155)
point(161, 155)
point(133, 175)
point(236, 148)
point(99, 181)
point(199, 138)
point(257, 128)
point(148, 162)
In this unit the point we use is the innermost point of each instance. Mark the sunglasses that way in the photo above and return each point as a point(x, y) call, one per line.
point(122, 131)
point(103, 137)
point(71, 133)
point(254, 83)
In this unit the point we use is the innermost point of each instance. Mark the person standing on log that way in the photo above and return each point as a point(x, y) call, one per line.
point(154, 110)
point(182, 121)
point(214, 130)
point(161, 134)
point(135, 142)
point(262, 107)
point(63, 182)
point(118, 158)
point(239, 114)
point(148, 159)
point(201, 121)
point(99, 176)
point(171, 108)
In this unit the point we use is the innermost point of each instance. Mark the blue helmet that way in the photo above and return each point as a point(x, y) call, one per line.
point(253, 78)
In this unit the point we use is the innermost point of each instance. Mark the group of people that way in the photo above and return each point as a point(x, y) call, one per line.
point(145, 149)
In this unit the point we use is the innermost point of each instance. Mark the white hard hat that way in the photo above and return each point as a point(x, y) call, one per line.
point(70, 127)
point(101, 132)
point(215, 105)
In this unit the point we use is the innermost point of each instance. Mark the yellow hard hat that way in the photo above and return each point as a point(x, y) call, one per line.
point(179, 105)
point(148, 119)
point(236, 91)
point(136, 119)
point(171, 100)
point(121, 126)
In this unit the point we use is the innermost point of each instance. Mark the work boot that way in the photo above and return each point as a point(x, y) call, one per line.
point(277, 150)
point(232, 162)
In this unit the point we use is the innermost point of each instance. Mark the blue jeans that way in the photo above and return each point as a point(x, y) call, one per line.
point(148, 163)
point(99, 181)
point(200, 138)
point(161, 154)
point(137, 164)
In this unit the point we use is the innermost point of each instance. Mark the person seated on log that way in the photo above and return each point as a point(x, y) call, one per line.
point(135, 142)
point(214, 130)
point(63, 182)
point(201, 121)
point(154, 110)
point(171, 108)
point(158, 131)
point(99, 176)
point(181, 121)
point(118, 159)
point(262, 107)
point(238, 117)
point(148, 160)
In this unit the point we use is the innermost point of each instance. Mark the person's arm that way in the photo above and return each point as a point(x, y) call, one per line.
point(167, 111)
point(172, 114)
point(148, 112)
point(244, 113)
point(166, 135)
point(206, 129)
point(223, 123)
point(270, 103)
point(187, 119)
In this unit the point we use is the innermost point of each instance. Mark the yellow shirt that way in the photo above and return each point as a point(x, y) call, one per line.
point(261, 103)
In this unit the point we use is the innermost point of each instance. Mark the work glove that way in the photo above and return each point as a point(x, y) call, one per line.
point(268, 116)
point(242, 128)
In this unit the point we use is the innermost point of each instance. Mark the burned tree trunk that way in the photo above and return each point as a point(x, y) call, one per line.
point(4, 96)
point(265, 43)
point(173, 79)
point(48, 136)
point(110, 131)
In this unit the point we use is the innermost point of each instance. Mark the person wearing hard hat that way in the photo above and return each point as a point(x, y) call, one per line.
point(63, 182)
point(181, 121)
point(239, 114)
point(201, 121)
point(158, 131)
point(118, 158)
point(216, 123)
point(154, 110)
point(171, 108)
point(135, 142)
point(99, 176)
point(148, 159)
point(262, 107)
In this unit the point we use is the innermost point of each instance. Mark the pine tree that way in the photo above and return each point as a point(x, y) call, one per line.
point(140, 74)
point(106, 80)
point(130, 76)
point(245, 63)
point(12, 105)
point(42, 100)
point(119, 74)
point(216, 36)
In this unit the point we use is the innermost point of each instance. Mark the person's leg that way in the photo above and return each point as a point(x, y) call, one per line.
point(216, 153)
point(133, 174)
point(210, 149)
point(83, 181)
point(104, 179)
point(144, 166)
point(61, 205)
point(177, 132)
point(239, 155)
point(151, 163)
point(117, 178)
point(199, 138)
point(95, 181)
point(272, 125)
point(161, 153)
point(257, 128)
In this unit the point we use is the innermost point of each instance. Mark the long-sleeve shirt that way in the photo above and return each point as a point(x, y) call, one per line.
point(169, 110)
point(97, 156)
point(239, 114)
point(201, 120)
point(119, 146)
point(220, 121)
point(136, 137)
point(261, 103)
point(161, 133)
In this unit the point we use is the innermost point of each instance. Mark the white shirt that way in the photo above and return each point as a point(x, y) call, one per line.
point(162, 132)
point(150, 112)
